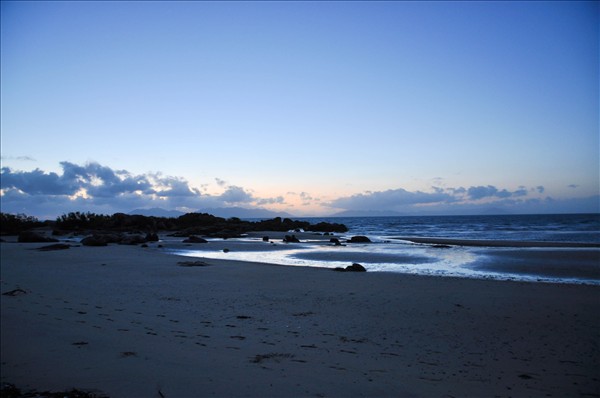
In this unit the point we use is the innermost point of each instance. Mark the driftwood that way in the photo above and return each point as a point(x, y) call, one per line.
point(15, 292)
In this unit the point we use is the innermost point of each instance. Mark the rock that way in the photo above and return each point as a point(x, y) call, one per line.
point(225, 250)
point(441, 246)
point(335, 241)
point(58, 246)
point(195, 239)
point(152, 237)
point(290, 239)
point(110, 237)
point(355, 267)
point(359, 239)
point(265, 238)
point(94, 240)
point(133, 240)
point(34, 237)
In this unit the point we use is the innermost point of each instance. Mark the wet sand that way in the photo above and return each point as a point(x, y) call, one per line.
point(132, 322)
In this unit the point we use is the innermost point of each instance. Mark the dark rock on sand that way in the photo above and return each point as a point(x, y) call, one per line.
point(133, 240)
point(290, 239)
point(94, 240)
point(58, 246)
point(34, 237)
point(103, 239)
point(152, 237)
point(359, 239)
point(195, 239)
point(355, 267)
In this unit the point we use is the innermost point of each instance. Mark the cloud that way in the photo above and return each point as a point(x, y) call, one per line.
point(97, 188)
point(572, 186)
point(472, 200)
point(220, 182)
point(101, 189)
point(235, 194)
point(271, 201)
point(390, 199)
point(37, 182)
point(21, 158)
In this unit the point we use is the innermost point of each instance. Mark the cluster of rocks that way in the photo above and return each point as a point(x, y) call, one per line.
point(34, 237)
point(103, 239)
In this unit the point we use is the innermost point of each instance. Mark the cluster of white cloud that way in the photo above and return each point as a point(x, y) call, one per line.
point(97, 188)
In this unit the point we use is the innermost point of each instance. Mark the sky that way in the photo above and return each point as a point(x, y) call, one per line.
point(312, 108)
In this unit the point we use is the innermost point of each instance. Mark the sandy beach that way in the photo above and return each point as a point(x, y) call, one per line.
point(127, 321)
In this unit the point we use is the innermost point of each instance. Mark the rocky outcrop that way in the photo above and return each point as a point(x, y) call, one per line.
point(34, 237)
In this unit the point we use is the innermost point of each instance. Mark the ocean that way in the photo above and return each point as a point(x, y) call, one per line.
point(391, 252)
point(584, 228)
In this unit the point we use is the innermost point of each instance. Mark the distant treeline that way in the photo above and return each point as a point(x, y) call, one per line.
point(187, 224)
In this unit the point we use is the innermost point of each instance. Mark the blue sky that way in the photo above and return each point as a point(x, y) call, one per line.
point(306, 107)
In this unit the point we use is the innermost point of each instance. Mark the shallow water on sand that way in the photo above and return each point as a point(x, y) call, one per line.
point(561, 265)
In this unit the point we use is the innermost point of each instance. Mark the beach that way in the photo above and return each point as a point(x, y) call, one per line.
point(128, 321)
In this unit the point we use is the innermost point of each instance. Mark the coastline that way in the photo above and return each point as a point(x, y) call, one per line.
point(129, 321)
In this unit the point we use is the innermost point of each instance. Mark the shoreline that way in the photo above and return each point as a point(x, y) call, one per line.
point(129, 322)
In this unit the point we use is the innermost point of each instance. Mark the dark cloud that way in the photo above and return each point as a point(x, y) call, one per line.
point(540, 188)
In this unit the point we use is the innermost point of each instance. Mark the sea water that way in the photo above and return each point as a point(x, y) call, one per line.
point(388, 253)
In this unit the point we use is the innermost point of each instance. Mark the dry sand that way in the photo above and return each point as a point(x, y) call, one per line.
point(131, 322)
